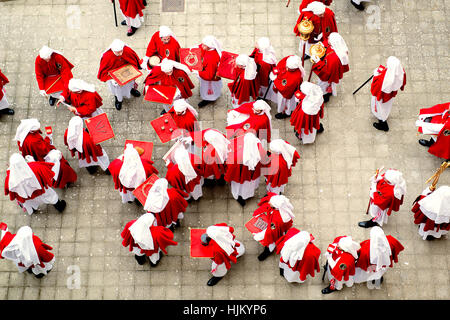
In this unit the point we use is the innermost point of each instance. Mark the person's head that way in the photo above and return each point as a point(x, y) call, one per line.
point(180, 106)
point(166, 67)
point(205, 47)
point(293, 63)
point(262, 44)
point(117, 47)
point(165, 33)
point(45, 53)
point(242, 61)
point(165, 40)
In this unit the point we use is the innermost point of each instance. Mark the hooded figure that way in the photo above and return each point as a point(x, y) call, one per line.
point(4, 104)
point(163, 45)
point(132, 12)
point(245, 85)
point(184, 115)
point(265, 59)
point(215, 148)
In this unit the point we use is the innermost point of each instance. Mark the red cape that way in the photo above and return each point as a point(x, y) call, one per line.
point(330, 68)
point(219, 255)
point(325, 25)
point(177, 179)
point(85, 102)
point(44, 174)
point(259, 123)
point(90, 150)
point(377, 84)
point(305, 3)
point(116, 165)
point(441, 148)
point(3, 81)
point(384, 197)
point(309, 264)
point(364, 253)
point(243, 89)
point(264, 68)
point(278, 171)
point(157, 47)
point(178, 79)
point(186, 121)
point(345, 262)
point(58, 64)
point(176, 204)
point(210, 62)
point(110, 61)
point(300, 120)
point(419, 218)
point(162, 238)
point(132, 8)
point(287, 82)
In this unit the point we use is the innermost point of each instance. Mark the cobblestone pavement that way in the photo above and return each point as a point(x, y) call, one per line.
point(329, 187)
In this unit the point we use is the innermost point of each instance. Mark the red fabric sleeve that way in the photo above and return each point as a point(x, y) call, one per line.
point(42, 250)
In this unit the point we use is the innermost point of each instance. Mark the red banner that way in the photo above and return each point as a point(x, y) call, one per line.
point(227, 65)
point(198, 250)
point(192, 58)
point(141, 192)
point(99, 128)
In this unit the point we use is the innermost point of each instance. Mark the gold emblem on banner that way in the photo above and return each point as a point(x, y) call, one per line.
point(191, 59)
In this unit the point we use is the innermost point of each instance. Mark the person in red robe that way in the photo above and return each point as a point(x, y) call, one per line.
point(432, 212)
point(306, 117)
point(287, 77)
point(375, 256)
point(30, 142)
point(265, 60)
point(243, 166)
point(184, 115)
point(146, 240)
point(132, 11)
point(341, 263)
point(299, 256)
point(26, 250)
point(129, 171)
point(30, 184)
point(324, 23)
point(386, 195)
point(210, 83)
point(251, 116)
point(278, 214)
point(171, 73)
point(226, 249)
point(52, 64)
point(331, 68)
point(283, 157)
point(82, 98)
point(4, 104)
point(305, 3)
point(245, 85)
point(435, 121)
point(164, 45)
point(79, 142)
point(118, 55)
point(167, 204)
point(185, 172)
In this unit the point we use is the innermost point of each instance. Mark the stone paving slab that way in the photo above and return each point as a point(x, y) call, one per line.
point(329, 187)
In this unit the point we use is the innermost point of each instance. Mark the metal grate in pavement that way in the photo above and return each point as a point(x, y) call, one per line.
point(173, 5)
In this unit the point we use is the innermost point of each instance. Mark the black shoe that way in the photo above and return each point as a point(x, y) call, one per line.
point(306, 57)
point(190, 200)
point(213, 281)
point(52, 101)
point(39, 276)
point(298, 136)
point(426, 143)
point(144, 2)
point(92, 169)
point(172, 228)
point(140, 259)
point(367, 224)
point(282, 272)
point(221, 182)
point(209, 183)
point(326, 97)
point(263, 255)
point(429, 238)
point(136, 201)
point(327, 290)
point(321, 129)
point(381, 125)
point(60, 205)
point(133, 31)
point(157, 262)
point(241, 201)
point(29, 271)
point(7, 111)
point(281, 115)
point(357, 6)
point(178, 224)
point(124, 23)
point(135, 93)
point(163, 112)
point(107, 172)
point(203, 103)
point(381, 280)
point(118, 104)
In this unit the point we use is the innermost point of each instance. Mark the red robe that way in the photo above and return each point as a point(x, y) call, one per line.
point(38, 147)
point(3, 81)
point(177, 179)
point(305, 3)
point(325, 25)
point(110, 62)
point(85, 102)
point(157, 47)
point(44, 174)
point(278, 172)
point(219, 255)
point(115, 166)
point(178, 79)
point(309, 264)
point(330, 68)
point(384, 197)
point(276, 227)
point(287, 82)
point(90, 150)
point(300, 120)
point(58, 65)
point(210, 62)
point(238, 172)
point(132, 8)
point(377, 84)
point(243, 89)
point(186, 121)
point(441, 148)
point(176, 204)
point(419, 217)
point(264, 68)
point(363, 261)
point(345, 262)
point(162, 238)
point(259, 123)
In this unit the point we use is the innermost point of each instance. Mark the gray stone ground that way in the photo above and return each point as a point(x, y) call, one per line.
point(329, 187)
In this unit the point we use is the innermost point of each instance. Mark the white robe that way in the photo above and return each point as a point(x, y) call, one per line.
point(245, 190)
point(49, 196)
point(220, 270)
point(381, 110)
point(286, 105)
point(4, 102)
point(215, 88)
point(121, 91)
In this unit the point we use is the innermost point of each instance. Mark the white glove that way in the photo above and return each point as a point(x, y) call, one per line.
point(42, 93)
point(315, 59)
point(318, 37)
point(272, 76)
point(144, 63)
